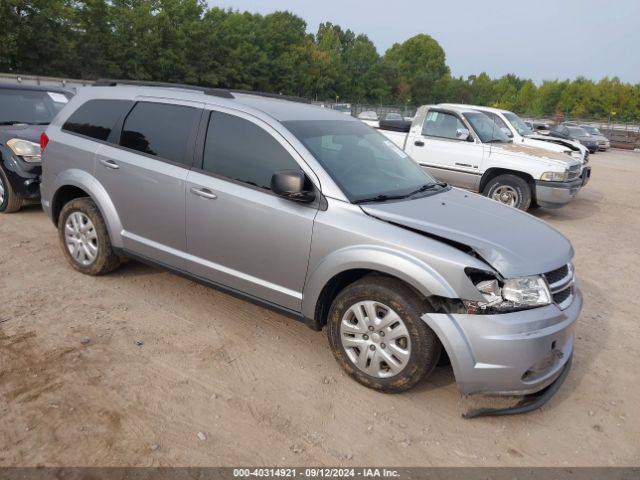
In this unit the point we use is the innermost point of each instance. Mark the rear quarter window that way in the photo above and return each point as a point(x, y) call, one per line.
point(96, 118)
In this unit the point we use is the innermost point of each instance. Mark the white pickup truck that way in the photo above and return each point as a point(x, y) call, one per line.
point(464, 148)
point(518, 131)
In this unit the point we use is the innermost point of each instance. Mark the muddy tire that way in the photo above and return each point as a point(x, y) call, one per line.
point(10, 202)
point(509, 190)
point(377, 336)
point(84, 238)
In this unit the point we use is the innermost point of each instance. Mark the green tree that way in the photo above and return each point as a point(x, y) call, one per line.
point(418, 63)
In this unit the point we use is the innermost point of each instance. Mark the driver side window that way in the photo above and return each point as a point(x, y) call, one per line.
point(442, 125)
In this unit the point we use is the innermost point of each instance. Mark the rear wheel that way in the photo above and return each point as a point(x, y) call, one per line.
point(377, 336)
point(10, 202)
point(509, 190)
point(84, 238)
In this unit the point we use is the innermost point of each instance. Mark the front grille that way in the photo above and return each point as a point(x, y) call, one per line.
point(561, 282)
point(556, 275)
point(574, 172)
point(561, 296)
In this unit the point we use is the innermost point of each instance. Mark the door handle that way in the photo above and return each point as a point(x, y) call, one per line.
point(110, 164)
point(419, 143)
point(204, 193)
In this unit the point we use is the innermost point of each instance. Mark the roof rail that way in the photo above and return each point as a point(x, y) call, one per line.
point(289, 98)
point(216, 92)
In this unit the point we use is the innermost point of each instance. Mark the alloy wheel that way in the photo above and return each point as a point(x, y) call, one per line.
point(506, 194)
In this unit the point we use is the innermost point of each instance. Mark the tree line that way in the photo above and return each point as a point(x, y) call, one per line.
point(185, 41)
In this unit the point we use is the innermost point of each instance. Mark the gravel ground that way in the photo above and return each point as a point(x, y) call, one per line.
point(142, 367)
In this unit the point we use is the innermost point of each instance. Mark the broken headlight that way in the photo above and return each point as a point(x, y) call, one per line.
point(510, 294)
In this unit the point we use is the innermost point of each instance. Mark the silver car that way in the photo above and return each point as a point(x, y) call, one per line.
point(315, 214)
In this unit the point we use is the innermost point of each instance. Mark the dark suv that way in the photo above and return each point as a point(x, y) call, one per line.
point(25, 112)
point(575, 133)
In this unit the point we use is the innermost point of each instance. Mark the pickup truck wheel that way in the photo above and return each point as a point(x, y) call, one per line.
point(84, 238)
point(10, 202)
point(377, 336)
point(509, 190)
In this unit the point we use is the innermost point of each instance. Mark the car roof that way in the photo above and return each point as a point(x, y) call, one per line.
point(278, 107)
point(475, 107)
point(40, 88)
point(455, 107)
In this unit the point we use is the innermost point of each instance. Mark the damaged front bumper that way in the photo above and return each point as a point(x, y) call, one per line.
point(516, 353)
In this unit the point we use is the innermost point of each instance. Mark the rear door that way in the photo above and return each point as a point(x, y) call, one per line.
point(447, 158)
point(239, 233)
point(145, 175)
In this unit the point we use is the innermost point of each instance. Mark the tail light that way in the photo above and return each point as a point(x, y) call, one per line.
point(44, 140)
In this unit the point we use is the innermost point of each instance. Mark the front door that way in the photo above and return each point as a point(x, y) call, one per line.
point(240, 234)
point(446, 157)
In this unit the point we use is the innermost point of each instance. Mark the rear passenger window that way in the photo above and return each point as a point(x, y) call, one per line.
point(96, 118)
point(240, 150)
point(160, 129)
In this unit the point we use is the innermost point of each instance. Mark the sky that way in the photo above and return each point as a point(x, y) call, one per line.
point(537, 39)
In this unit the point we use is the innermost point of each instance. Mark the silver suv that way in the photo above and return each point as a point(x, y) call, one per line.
point(318, 216)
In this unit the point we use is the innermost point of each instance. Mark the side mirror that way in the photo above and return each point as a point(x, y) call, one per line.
point(507, 132)
point(290, 185)
point(463, 134)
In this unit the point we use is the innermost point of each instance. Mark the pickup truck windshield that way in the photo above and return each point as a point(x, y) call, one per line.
point(363, 163)
point(486, 128)
point(518, 124)
point(29, 106)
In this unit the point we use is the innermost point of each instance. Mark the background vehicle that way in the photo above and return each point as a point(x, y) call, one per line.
point(603, 142)
point(369, 117)
point(577, 134)
point(25, 111)
point(516, 129)
point(322, 218)
point(463, 147)
point(342, 108)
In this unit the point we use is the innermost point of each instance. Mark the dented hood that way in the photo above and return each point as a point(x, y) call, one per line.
point(513, 242)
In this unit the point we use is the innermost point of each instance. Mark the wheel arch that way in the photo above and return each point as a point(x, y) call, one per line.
point(492, 173)
point(78, 183)
point(346, 266)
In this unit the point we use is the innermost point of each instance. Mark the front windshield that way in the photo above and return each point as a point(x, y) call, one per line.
point(486, 128)
point(592, 130)
point(393, 116)
point(578, 132)
point(33, 107)
point(521, 127)
point(364, 163)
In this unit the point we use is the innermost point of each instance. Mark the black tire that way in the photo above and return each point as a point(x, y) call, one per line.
point(105, 259)
point(424, 347)
point(516, 188)
point(11, 202)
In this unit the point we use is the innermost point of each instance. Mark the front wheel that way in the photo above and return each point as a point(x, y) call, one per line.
point(377, 336)
point(10, 202)
point(509, 190)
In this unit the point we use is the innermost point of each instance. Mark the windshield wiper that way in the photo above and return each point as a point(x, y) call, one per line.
point(384, 198)
point(380, 198)
point(426, 187)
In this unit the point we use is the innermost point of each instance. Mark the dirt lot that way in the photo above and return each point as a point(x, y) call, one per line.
point(178, 374)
